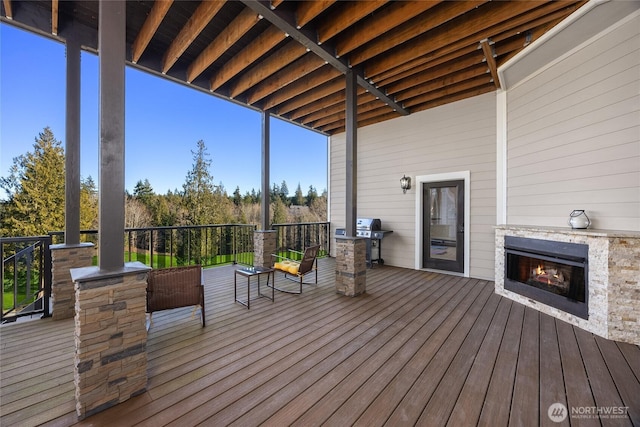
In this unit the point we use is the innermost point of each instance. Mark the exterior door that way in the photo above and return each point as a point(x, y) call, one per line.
point(443, 225)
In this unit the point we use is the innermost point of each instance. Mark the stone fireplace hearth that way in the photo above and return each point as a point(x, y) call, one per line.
point(613, 278)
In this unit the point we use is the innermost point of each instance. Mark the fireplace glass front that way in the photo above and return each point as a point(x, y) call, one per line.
point(553, 273)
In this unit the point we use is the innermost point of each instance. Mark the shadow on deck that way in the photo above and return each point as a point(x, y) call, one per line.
point(418, 348)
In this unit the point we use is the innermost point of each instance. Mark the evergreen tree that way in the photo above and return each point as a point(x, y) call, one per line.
point(298, 199)
point(143, 191)
point(88, 204)
point(237, 198)
point(312, 195)
point(35, 188)
point(279, 212)
point(284, 193)
point(275, 193)
point(199, 188)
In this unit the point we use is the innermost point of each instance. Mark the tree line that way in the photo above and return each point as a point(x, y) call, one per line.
point(35, 201)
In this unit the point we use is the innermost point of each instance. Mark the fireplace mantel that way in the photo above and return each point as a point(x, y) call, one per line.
point(614, 278)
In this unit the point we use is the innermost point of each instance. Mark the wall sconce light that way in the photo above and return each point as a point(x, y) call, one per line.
point(405, 183)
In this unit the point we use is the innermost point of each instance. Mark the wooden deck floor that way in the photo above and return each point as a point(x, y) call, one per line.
point(418, 348)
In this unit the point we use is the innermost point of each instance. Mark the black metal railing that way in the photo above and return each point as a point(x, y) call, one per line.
point(26, 276)
point(158, 247)
point(26, 266)
point(299, 236)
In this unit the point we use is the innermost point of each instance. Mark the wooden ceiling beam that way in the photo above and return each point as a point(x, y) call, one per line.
point(327, 100)
point(276, 3)
point(450, 51)
point(333, 101)
point(8, 12)
point(447, 12)
point(452, 79)
point(428, 73)
point(194, 26)
point(447, 91)
point(319, 105)
point(149, 28)
point(470, 93)
point(348, 15)
point(490, 58)
point(284, 77)
point(286, 55)
point(461, 55)
point(486, 21)
point(254, 50)
point(337, 112)
point(394, 15)
point(242, 23)
point(325, 52)
point(54, 17)
point(307, 10)
point(373, 115)
point(300, 92)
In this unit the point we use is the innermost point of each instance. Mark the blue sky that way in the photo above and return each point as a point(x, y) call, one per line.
point(164, 121)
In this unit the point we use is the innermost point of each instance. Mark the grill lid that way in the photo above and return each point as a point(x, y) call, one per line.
point(368, 224)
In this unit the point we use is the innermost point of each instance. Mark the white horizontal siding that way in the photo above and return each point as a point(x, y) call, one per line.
point(574, 137)
point(452, 138)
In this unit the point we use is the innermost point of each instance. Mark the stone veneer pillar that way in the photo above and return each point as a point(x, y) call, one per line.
point(351, 266)
point(63, 258)
point(264, 244)
point(110, 336)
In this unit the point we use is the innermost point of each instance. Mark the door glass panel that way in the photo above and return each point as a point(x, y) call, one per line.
point(443, 222)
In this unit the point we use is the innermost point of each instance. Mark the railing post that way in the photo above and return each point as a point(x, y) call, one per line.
point(48, 273)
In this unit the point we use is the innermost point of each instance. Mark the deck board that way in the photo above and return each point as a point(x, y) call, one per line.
point(418, 348)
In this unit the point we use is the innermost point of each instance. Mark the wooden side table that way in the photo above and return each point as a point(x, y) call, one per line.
point(249, 272)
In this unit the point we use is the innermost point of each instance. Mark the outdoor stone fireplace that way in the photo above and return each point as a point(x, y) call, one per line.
point(589, 278)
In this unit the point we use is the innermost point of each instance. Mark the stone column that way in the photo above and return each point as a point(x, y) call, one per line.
point(63, 259)
point(351, 266)
point(110, 336)
point(264, 244)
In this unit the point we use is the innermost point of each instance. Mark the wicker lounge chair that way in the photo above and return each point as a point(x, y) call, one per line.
point(175, 287)
point(297, 269)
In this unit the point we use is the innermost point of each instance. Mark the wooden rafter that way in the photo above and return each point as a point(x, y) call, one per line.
point(438, 16)
point(394, 15)
point(295, 95)
point(298, 94)
point(349, 15)
point(230, 35)
point(410, 54)
point(284, 56)
point(314, 110)
point(149, 28)
point(430, 73)
point(254, 50)
point(307, 10)
point(453, 97)
point(490, 57)
point(444, 51)
point(54, 17)
point(200, 18)
point(452, 79)
point(326, 53)
point(8, 12)
point(482, 80)
point(453, 35)
point(284, 77)
point(460, 57)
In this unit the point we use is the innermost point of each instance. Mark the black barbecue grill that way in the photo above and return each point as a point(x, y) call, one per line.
point(371, 230)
